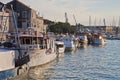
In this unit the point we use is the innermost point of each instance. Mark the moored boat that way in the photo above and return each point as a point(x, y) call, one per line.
point(13, 61)
point(40, 46)
point(60, 47)
point(83, 38)
point(69, 43)
point(98, 39)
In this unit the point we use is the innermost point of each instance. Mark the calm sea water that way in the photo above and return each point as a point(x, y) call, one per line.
point(87, 63)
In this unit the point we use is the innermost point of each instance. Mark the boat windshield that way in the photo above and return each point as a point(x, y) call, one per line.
point(60, 45)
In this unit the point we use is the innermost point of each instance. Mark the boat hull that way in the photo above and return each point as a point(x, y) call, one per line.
point(14, 72)
point(70, 48)
point(7, 64)
point(6, 74)
point(61, 50)
point(60, 47)
point(99, 41)
point(40, 57)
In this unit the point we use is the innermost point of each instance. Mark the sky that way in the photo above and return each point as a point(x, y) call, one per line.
point(82, 9)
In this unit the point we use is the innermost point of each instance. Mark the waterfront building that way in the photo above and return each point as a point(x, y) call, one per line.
point(27, 17)
point(4, 22)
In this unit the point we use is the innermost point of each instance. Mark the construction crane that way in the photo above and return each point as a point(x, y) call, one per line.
point(75, 20)
point(66, 18)
point(76, 23)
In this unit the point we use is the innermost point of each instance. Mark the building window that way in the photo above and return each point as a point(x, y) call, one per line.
point(24, 14)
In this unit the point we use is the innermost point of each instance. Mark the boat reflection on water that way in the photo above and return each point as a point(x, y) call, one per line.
point(83, 45)
point(44, 72)
point(37, 73)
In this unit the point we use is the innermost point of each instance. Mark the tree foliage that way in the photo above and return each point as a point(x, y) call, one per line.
point(61, 27)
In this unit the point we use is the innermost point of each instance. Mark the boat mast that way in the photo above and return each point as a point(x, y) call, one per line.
point(119, 22)
point(89, 20)
point(16, 29)
point(95, 22)
point(113, 23)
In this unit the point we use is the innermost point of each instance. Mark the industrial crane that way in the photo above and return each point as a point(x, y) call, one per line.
point(76, 23)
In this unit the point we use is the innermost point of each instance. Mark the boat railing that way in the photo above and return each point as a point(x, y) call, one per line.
point(34, 46)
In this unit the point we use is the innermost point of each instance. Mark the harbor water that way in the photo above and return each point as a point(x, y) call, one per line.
point(91, 62)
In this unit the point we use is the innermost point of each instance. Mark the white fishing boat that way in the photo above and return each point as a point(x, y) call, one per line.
point(13, 59)
point(40, 46)
point(12, 62)
point(69, 43)
point(60, 47)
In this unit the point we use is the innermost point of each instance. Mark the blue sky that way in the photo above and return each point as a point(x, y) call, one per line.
point(82, 9)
